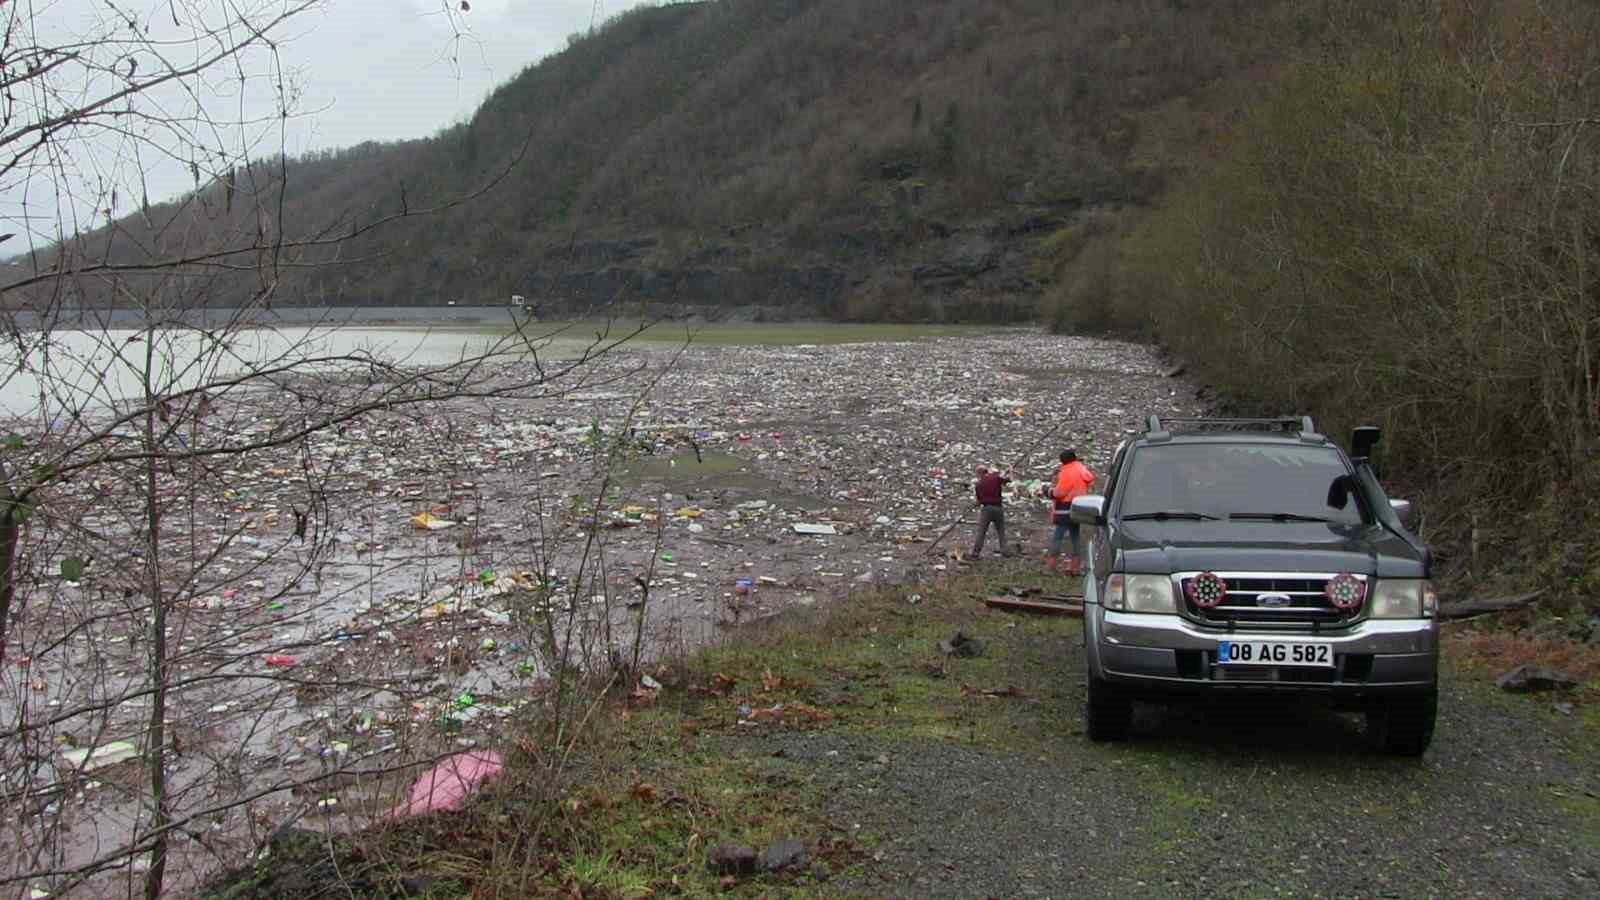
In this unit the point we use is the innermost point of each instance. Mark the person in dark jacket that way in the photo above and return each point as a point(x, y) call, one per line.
point(990, 491)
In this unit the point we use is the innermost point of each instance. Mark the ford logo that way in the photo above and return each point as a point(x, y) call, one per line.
point(1273, 601)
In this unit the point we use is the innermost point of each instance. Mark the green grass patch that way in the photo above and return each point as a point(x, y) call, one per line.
point(1581, 813)
point(873, 665)
point(647, 830)
point(684, 465)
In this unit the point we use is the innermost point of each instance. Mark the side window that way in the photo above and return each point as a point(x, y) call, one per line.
point(1116, 469)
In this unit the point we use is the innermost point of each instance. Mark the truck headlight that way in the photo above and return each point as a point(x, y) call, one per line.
point(1140, 593)
point(1404, 598)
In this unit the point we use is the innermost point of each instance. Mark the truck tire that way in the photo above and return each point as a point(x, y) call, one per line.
point(1402, 725)
point(1107, 712)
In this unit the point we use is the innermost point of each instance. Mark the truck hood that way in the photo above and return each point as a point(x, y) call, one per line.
point(1185, 546)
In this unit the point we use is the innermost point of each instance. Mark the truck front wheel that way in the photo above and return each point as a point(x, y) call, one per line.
point(1107, 712)
point(1402, 725)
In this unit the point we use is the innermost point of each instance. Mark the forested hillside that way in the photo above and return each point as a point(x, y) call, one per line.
point(848, 158)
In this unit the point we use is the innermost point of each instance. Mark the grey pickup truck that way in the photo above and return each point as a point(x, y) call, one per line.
point(1255, 555)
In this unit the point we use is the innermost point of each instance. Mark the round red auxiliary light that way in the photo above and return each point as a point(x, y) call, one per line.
point(1206, 590)
point(1345, 591)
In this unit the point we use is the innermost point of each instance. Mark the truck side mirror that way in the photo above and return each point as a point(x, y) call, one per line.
point(1089, 509)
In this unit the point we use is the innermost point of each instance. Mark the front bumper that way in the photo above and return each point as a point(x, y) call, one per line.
point(1163, 654)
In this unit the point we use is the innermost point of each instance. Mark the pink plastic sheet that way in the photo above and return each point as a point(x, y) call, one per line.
point(447, 785)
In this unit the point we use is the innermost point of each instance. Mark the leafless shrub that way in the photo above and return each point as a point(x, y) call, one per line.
point(202, 638)
point(1405, 232)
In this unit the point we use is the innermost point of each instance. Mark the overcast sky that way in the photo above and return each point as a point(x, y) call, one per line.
point(367, 70)
point(382, 69)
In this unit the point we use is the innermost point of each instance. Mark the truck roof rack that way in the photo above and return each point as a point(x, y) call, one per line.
point(1155, 425)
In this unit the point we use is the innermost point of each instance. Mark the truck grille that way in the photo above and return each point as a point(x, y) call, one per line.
point(1266, 600)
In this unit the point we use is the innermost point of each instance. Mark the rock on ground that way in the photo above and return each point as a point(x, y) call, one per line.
point(782, 854)
point(730, 858)
point(1529, 678)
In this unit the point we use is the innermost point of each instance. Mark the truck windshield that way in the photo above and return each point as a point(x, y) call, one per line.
point(1262, 482)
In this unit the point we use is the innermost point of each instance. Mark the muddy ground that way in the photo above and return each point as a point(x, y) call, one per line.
point(649, 507)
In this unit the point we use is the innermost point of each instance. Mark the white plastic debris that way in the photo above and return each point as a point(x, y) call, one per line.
point(91, 759)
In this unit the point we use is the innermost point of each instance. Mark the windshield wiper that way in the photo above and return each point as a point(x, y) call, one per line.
point(1279, 517)
point(1170, 514)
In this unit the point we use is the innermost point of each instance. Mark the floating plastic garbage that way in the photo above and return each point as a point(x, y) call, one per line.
point(742, 585)
point(814, 528)
point(883, 450)
point(108, 754)
point(279, 660)
point(447, 785)
point(427, 521)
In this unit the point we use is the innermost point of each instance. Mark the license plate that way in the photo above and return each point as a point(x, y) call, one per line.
point(1274, 653)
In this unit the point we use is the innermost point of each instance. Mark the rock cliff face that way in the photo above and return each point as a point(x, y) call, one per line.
point(819, 286)
point(978, 260)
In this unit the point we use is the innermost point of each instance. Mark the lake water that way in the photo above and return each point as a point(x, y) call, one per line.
point(64, 370)
point(47, 373)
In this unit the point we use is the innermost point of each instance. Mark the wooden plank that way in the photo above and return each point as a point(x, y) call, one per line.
point(1462, 609)
point(1042, 607)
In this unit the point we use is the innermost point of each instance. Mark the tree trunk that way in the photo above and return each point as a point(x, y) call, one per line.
point(156, 749)
point(9, 532)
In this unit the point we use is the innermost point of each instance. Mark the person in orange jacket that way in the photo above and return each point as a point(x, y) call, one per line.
point(1072, 480)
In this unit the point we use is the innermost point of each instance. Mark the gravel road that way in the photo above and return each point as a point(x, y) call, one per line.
point(1238, 801)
